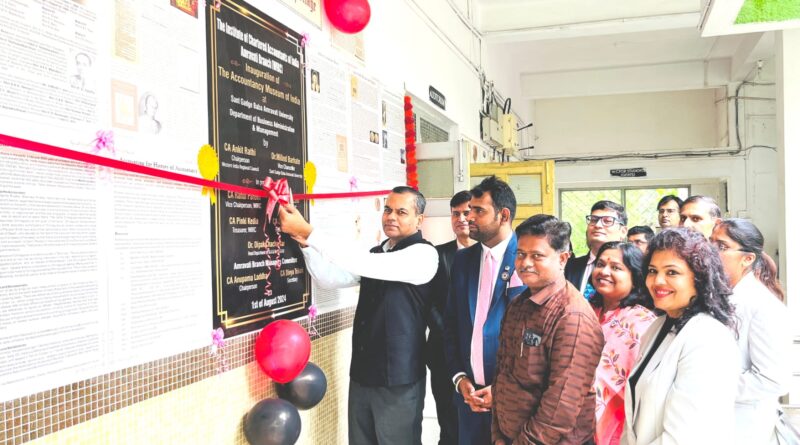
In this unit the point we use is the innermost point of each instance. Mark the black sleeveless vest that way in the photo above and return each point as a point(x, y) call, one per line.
point(389, 328)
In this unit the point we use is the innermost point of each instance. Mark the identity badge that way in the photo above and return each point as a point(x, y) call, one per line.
point(531, 338)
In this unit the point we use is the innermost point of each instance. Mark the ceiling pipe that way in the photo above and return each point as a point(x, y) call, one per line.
point(670, 21)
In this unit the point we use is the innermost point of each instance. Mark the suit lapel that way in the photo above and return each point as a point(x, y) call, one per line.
point(473, 263)
point(504, 272)
point(449, 252)
point(629, 414)
point(654, 362)
point(575, 269)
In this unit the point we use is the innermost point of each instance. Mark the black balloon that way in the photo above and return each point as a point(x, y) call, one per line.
point(272, 422)
point(307, 389)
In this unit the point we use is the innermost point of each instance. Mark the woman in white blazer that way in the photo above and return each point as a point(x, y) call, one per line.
point(763, 325)
point(681, 391)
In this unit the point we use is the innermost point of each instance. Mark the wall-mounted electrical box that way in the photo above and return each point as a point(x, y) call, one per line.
point(509, 130)
point(492, 133)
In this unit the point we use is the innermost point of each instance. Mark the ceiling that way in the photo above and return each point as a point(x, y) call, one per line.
point(497, 16)
point(524, 37)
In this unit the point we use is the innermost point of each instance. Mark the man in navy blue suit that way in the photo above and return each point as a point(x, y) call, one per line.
point(441, 385)
point(482, 283)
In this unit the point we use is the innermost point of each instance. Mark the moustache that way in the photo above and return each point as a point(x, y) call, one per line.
point(527, 270)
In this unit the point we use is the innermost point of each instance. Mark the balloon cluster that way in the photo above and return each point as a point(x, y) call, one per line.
point(348, 16)
point(282, 350)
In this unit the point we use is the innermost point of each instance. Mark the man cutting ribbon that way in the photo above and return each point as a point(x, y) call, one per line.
point(387, 370)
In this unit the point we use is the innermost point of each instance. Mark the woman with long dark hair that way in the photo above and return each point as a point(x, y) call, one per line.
point(623, 308)
point(682, 389)
point(763, 325)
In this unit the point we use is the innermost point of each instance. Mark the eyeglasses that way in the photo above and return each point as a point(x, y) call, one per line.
point(605, 221)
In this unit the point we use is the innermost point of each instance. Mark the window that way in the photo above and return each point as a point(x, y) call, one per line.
point(639, 203)
point(430, 132)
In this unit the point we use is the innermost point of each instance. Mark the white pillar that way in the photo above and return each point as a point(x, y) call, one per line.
point(787, 52)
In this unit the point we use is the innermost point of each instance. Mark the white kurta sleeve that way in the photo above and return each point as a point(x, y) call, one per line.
point(416, 264)
point(326, 274)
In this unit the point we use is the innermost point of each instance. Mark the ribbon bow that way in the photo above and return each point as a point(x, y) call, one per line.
point(312, 317)
point(218, 338)
point(218, 349)
point(104, 140)
point(277, 192)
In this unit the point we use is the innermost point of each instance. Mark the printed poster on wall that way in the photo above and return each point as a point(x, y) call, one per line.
point(393, 138)
point(257, 125)
point(308, 9)
point(100, 269)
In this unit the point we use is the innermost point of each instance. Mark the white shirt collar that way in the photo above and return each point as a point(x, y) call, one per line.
point(497, 251)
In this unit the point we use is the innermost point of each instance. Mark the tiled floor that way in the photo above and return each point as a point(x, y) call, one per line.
point(430, 431)
point(430, 427)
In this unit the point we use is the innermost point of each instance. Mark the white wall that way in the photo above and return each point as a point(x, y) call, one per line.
point(626, 122)
point(657, 123)
point(404, 51)
point(788, 114)
point(758, 127)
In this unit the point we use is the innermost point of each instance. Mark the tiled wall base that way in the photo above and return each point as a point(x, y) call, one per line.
point(210, 411)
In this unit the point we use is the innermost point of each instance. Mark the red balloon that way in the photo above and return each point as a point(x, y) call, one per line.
point(348, 16)
point(282, 350)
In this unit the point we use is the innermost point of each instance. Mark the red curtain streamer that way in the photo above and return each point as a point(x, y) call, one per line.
point(411, 145)
point(65, 153)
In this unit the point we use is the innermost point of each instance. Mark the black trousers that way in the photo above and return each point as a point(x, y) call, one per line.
point(442, 389)
point(385, 415)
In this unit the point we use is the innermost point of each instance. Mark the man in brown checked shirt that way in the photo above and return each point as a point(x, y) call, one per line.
point(550, 345)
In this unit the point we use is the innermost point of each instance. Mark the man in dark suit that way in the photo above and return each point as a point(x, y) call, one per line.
point(441, 385)
point(607, 222)
point(482, 283)
point(459, 215)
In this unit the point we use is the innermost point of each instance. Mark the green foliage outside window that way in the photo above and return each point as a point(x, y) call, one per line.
point(639, 203)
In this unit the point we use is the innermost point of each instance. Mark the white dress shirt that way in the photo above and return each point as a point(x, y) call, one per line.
point(497, 253)
point(335, 264)
point(764, 343)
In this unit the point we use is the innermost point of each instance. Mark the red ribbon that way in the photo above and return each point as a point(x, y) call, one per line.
point(88, 158)
point(277, 192)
